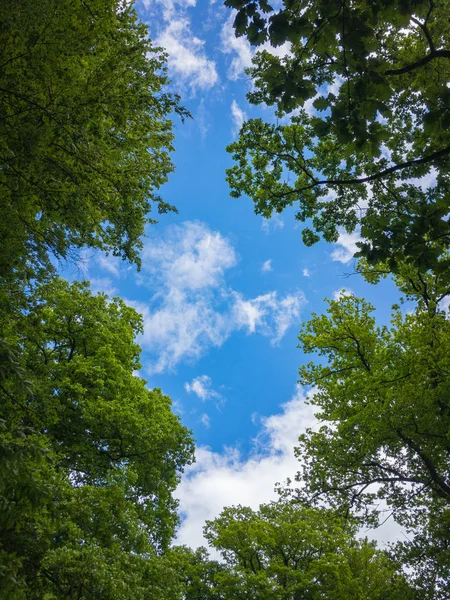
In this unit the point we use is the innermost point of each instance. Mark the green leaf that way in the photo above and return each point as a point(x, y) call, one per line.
point(278, 29)
point(321, 103)
point(321, 127)
point(240, 22)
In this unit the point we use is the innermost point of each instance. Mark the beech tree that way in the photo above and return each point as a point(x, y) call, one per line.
point(362, 97)
point(89, 455)
point(85, 134)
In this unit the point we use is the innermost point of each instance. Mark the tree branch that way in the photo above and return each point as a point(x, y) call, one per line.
point(442, 489)
point(379, 175)
point(419, 63)
point(424, 28)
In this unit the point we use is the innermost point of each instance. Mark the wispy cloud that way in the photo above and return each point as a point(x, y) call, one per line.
point(238, 48)
point(205, 420)
point(109, 263)
point(238, 116)
point(267, 314)
point(170, 7)
point(103, 285)
point(273, 224)
point(267, 266)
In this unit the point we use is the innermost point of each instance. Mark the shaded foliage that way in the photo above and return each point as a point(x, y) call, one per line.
point(363, 138)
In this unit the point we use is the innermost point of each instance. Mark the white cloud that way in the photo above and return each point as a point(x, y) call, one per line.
point(224, 479)
point(268, 315)
point(102, 285)
point(182, 327)
point(267, 266)
point(191, 257)
point(187, 58)
point(309, 108)
point(427, 181)
point(444, 304)
point(201, 386)
point(205, 420)
point(280, 51)
point(109, 263)
point(194, 308)
point(287, 313)
point(238, 47)
point(220, 479)
point(241, 50)
point(202, 119)
point(189, 65)
point(170, 7)
point(335, 86)
point(306, 272)
point(238, 116)
point(348, 247)
point(275, 222)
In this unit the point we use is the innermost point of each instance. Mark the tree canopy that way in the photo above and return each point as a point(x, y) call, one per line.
point(92, 456)
point(89, 455)
point(286, 551)
point(382, 397)
point(85, 133)
point(362, 97)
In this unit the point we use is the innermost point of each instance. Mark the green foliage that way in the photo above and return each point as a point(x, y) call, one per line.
point(85, 134)
point(89, 455)
point(199, 575)
point(382, 396)
point(377, 75)
point(293, 552)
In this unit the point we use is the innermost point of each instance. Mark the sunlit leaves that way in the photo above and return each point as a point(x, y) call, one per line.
point(382, 397)
point(92, 455)
point(286, 550)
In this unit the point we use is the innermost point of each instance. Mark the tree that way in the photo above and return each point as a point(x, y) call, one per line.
point(363, 95)
point(89, 455)
point(382, 396)
point(293, 552)
point(85, 133)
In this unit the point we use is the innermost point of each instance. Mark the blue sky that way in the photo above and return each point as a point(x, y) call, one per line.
point(223, 292)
